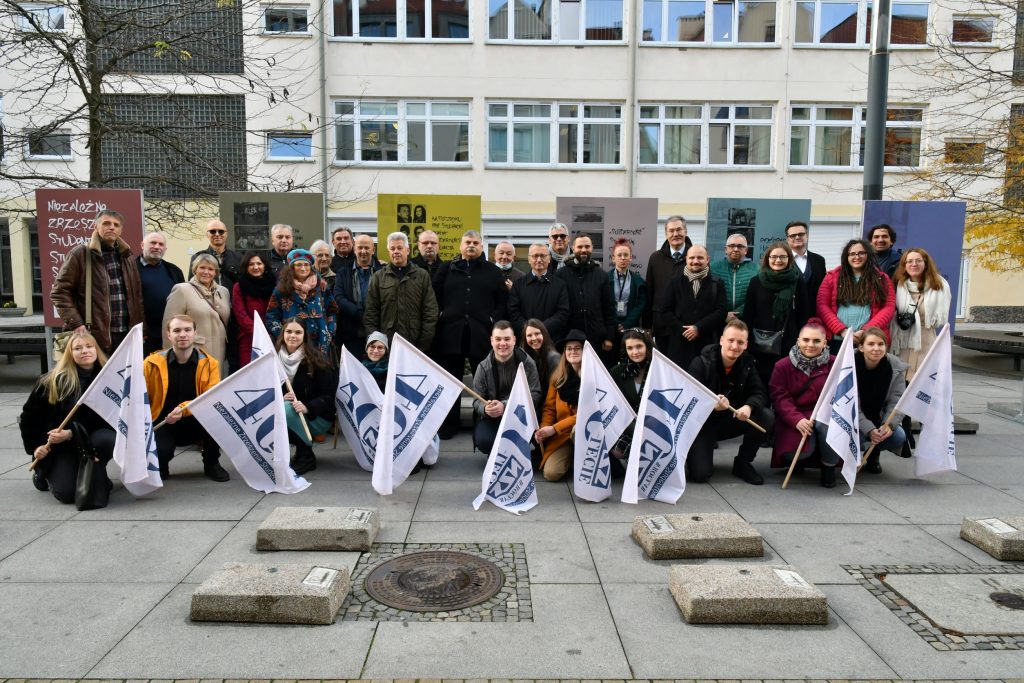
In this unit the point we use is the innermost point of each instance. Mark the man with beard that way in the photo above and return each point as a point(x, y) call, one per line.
point(493, 380)
point(693, 310)
point(590, 295)
point(882, 238)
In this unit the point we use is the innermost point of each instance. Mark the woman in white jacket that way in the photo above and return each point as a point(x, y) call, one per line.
point(922, 307)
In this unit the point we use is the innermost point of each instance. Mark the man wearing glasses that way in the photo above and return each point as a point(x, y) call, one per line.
point(663, 266)
point(558, 244)
point(735, 270)
point(811, 265)
point(230, 261)
point(538, 295)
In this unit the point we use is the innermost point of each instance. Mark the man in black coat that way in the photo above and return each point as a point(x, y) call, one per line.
point(230, 261)
point(471, 297)
point(428, 257)
point(539, 295)
point(351, 284)
point(591, 307)
point(693, 309)
point(811, 265)
point(729, 371)
point(158, 276)
point(662, 267)
point(344, 249)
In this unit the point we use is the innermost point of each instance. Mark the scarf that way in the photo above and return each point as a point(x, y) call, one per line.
point(304, 288)
point(695, 279)
point(783, 285)
point(570, 389)
point(377, 368)
point(635, 369)
point(557, 258)
point(211, 295)
point(932, 312)
point(873, 386)
point(807, 365)
point(257, 288)
point(290, 361)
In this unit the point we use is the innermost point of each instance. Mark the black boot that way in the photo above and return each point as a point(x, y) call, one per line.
point(213, 471)
point(39, 481)
point(744, 469)
point(872, 466)
point(828, 476)
point(304, 459)
point(911, 442)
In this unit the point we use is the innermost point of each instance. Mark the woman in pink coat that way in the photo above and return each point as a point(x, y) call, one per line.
point(250, 296)
point(855, 295)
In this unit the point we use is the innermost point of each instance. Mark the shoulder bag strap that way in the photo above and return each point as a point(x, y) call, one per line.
point(88, 287)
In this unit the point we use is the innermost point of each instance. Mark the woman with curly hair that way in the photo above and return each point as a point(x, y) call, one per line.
point(922, 303)
point(855, 295)
point(302, 294)
point(250, 296)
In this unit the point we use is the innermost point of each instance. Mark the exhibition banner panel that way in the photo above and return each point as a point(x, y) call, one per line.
point(606, 219)
point(449, 215)
point(250, 215)
point(761, 221)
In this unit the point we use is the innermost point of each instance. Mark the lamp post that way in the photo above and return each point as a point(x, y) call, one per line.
point(878, 95)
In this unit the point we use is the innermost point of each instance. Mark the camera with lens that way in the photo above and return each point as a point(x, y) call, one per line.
point(906, 320)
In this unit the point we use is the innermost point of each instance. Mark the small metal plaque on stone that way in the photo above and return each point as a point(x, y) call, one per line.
point(712, 534)
point(745, 594)
point(358, 515)
point(1002, 538)
point(658, 525)
point(996, 525)
point(792, 579)
point(326, 528)
point(320, 576)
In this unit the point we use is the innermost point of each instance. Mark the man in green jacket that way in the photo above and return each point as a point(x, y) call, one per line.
point(735, 271)
point(401, 299)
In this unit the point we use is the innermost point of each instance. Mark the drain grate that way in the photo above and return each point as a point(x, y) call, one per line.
point(434, 581)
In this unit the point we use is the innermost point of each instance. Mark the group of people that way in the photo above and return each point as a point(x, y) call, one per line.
point(760, 335)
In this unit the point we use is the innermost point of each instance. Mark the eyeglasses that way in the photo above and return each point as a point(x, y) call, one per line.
point(778, 258)
point(560, 237)
point(795, 235)
point(858, 254)
point(735, 246)
point(538, 256)
point(216, 232)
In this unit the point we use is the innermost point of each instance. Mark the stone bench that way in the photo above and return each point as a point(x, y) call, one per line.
point(715, 534)
point(307, 528)
point(993, 341)
point(1000, 537)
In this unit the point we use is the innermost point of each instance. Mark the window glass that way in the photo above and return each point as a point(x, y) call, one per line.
point(604, 20)
point(532, 110)
point(569, 19)
point(833, 146)
point(601, 143)
point(756, 22)
point(48, 18)
point(649, 143)
point(50, 144)
point(804, 22)
point(289, 146)
point(909, 23)
point(718, 143)
point(973, 29)
point(449, 141)
point(418, 108)
point(531, 143)
point(450, 18)
point(964, 152)
point(342, 17)
point(498, 21)
point(344, 142)
point(752, 145)
point(415, 19)
point(799, 143)
point(533, 20)
point(416, 141)
point(285, 20)
point(722, 22)
point(686, 21)
point(378, 19)
point(497, 143)
point(682, 112)
point(838, 23)
point(682, 145)
point(652, 20)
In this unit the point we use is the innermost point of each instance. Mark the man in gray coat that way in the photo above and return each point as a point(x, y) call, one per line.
point(493, 380)
point(400, 298)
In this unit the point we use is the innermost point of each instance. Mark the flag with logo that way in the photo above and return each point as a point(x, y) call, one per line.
point(118, 395)
point(245, 415)
point(929, 399)
point(263, 345)
point(418, 394)
point(673, 408)
point(508, 476)
point(838, 407)
point(359, 401)
point(602, 415)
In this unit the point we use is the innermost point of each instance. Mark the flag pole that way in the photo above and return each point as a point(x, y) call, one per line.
point(302, 419)
point(164, 421)
point(864, 458)
point(796, 457)
point(474, 394)
point(337, 428)
point(62, 425)
point(750, 422)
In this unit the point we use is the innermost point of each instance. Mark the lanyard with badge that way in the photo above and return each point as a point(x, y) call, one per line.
point(620, 301)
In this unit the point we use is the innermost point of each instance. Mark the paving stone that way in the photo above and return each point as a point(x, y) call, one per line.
point(746, 594)
point(713, 534)
point(1000, 537)
point(318, 528)
point(284, 594)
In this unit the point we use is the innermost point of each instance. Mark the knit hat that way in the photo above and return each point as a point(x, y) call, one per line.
point(296, 254)
point(377, 337)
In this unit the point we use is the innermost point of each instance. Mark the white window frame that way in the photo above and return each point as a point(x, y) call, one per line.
point(37, 8)
point(29, 156)
point(967, 16)
point(556, 27)
point(863, 40)
point(283, 134)
point(705, 122)
point(291, 10)
point(555, 121)
point(402, 119)
point(400, 28)
point(709, 35)
point(858, 124)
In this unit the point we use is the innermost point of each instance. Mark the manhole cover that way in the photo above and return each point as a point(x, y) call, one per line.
point(434, 581)
point(1008, 600)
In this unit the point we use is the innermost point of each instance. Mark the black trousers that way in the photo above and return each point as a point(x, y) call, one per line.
point(720, 426)
point(455, 363)
point(184, 432)
point(485, 431)
point(60, 468)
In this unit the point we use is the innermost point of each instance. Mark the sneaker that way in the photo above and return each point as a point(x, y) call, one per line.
point(215, 472)
point(828, 476)
point(39, 481)
point(745, 471)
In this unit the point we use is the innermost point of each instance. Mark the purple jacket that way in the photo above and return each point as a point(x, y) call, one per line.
point(793, 399)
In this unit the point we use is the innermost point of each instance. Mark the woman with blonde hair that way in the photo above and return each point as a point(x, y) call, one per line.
point(207, 303)
point(51, 400)
point(922, 307)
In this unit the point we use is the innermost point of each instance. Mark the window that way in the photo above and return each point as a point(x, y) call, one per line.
point(705, 135)
point(49, 144)
point(559, 21)
point(964, 152)
point(6, 276)
point(402, 132)
point(402, 19)
point(715, 22)
point(285, 20)
point(832, 136)
point(554, 133)
point(969, 30)
point(848, 22)
point(44, 18)
point(288, 146)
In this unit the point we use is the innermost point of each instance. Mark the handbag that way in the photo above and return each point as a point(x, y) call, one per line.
point(767, 341)
point(61, 339)
point(85, 496)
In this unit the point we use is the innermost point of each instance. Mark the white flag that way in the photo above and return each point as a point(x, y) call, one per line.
point(673, 408)
point(359, 401)
point(601, 417)
point(263, 345)
point(417, 396)
point(929, 399)
point(839, 406)
point(245, 415)
point(508, 476)
point(118, 395)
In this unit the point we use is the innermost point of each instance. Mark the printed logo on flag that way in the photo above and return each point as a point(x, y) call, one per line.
point(253, 407)
point(363, 415)
point(152, 461)
point(665, 408)
point(510, 484)
point(846, 400)
point(415, 397)
point(593, 471)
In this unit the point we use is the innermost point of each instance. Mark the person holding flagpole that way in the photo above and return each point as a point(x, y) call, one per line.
point(729, 371)
point(493, 382)
point(555, 435)
point(173, 378)
point(313, 383)
point(797, 382)
point(880, 384)
point(630, 376)
point(53, 397)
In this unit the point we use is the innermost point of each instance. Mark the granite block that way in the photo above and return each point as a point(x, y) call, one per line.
point(1000, 537)
point(282, 594)
point(712, 534)
point(746, 594)
point(318, 528)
